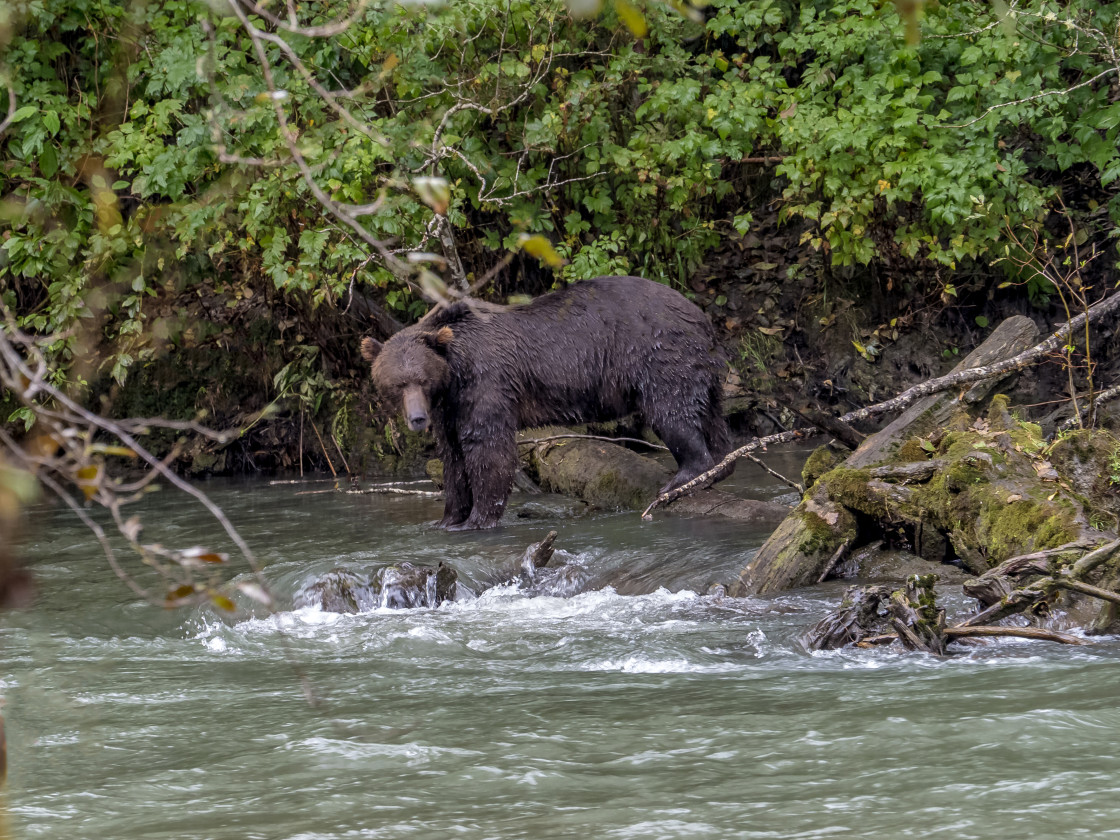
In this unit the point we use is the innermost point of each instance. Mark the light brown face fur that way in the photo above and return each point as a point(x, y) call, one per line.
point(409, 370)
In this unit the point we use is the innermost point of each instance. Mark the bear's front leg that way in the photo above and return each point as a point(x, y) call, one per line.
point(490, 463)
point(456, 487)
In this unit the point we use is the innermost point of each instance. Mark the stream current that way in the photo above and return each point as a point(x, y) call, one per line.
point(630, 705)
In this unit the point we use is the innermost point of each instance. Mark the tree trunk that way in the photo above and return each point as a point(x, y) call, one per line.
point(1010, 338)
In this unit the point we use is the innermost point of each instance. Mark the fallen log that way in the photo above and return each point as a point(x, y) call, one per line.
point(979, 498)
point(934, 411)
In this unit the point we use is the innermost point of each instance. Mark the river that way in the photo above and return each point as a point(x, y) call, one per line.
point(637, 707)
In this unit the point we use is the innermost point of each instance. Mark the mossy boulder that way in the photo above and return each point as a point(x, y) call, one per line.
point(1089, 462)
point(612, 477)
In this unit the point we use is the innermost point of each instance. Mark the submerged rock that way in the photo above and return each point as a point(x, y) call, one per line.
point(403, 586)
point(339, 591)
point(562, 576)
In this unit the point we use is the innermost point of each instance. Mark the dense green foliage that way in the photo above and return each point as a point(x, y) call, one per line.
point(145, 166)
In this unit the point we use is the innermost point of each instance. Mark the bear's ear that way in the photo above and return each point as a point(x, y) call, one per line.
point(370, 348)
point(440, 339)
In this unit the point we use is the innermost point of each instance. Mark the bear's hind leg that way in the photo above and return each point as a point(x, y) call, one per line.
point(690, 451)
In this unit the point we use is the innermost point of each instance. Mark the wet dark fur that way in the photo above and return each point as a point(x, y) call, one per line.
point(597, 350)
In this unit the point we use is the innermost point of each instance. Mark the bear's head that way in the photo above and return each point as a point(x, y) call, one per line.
point(410, 369)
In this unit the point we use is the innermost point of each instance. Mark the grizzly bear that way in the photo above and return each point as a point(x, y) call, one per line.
point(597, 350)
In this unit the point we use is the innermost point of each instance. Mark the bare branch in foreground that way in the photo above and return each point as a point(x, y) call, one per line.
point(72, 447)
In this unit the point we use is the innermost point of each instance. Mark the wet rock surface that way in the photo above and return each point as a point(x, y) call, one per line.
point(401, 586)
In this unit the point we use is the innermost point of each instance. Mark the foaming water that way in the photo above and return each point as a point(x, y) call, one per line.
point(620, 702)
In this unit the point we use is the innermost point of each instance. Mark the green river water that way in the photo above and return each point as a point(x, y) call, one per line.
point(629, 707)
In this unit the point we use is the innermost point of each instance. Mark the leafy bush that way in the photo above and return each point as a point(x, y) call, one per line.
point(146, 167)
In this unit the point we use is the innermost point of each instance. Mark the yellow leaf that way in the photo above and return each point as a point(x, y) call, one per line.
point(202, 555)
point(89, 477)
point(633, 19)
point(539, 247)
point(223, 603)
point(884, 185)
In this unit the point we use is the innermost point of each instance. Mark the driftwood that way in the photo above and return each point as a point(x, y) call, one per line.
point(1002, 597)
point(856, 619)
point(958, 378)
point(915, 617)
point(845, 434)
point(538, 554)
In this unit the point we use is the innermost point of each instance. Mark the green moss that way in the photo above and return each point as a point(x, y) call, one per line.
point(1009, 528)
point(911, 451)
point(821, 461)
point(849, 488)
point(962, 474)
point(818, 534)
point(999, 413)
point(434, 470)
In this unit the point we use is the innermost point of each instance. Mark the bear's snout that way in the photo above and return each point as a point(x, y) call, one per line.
point(416, 409)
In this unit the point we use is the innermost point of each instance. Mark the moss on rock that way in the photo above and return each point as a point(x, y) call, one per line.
point(821, 461)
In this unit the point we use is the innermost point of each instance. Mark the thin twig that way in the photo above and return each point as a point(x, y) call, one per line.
point(532, 441)
point(1027, 99)
point(394, 491)
point(322, 446)
point(775, 474)
point(835, 560)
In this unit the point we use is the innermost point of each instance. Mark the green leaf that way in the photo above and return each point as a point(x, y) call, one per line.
point(981, 321)
point(51, 122)
point(23, 113)
point(48, 161)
